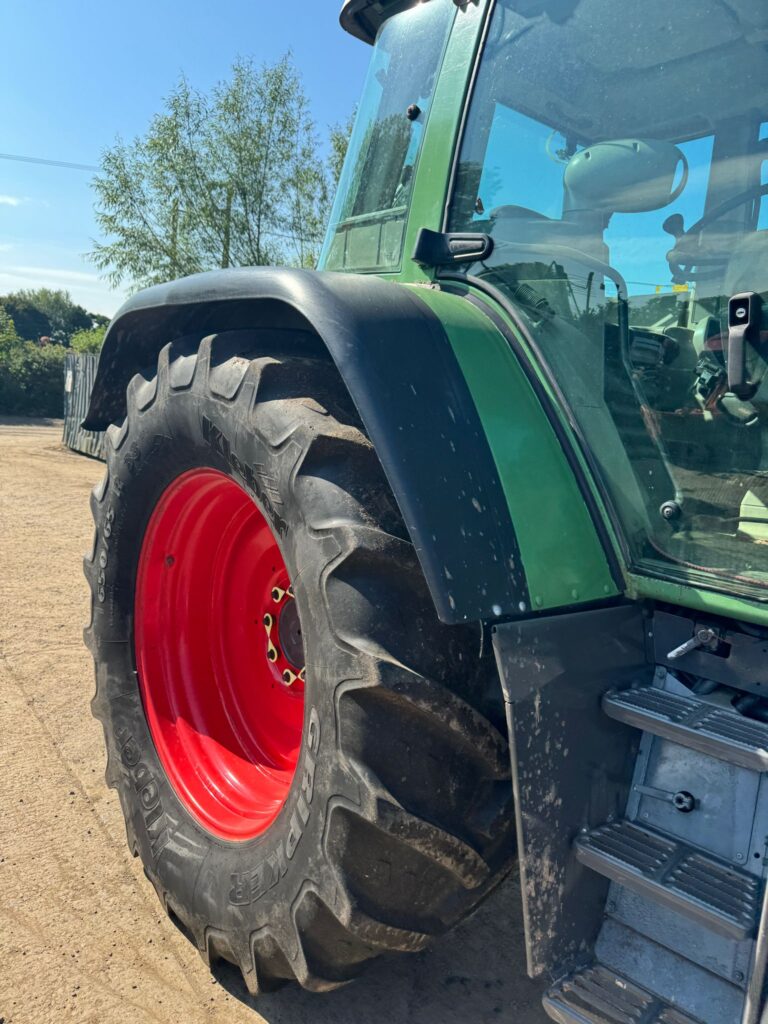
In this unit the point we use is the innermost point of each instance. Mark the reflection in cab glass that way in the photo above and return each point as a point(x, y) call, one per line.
point(619, 165)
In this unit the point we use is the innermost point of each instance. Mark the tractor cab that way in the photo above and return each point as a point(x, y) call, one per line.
point(618, 166)
point(593, 177)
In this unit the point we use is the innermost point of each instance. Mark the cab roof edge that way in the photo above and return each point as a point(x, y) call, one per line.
point(363, 18)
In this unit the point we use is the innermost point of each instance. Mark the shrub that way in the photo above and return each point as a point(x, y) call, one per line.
point(88, 341)
point(31, 378)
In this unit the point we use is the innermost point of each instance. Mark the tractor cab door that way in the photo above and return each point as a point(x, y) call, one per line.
point(620, 165)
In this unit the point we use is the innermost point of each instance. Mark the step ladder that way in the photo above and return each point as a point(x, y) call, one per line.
point(684, 935)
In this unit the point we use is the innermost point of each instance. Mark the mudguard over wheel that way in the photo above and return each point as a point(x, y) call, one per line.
point(304, 755)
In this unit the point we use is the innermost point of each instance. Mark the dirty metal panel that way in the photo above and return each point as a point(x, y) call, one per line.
point(79, 375)
point(572, 765)
point(740, 659)
point(708, 998)
point(603, 996)
point(728, 958)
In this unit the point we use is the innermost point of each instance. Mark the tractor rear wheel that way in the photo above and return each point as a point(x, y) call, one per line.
point(305, 756)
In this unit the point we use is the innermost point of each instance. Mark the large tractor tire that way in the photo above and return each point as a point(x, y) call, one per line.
point(304, 755)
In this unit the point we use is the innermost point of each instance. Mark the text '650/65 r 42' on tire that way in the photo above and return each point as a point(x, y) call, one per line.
point(306, 758)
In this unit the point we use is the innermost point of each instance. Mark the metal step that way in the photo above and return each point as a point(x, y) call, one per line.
point(696, 884)
point(719, 732)
point(598, 995)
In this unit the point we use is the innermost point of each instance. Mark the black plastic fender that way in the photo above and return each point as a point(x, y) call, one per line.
point(398, 365)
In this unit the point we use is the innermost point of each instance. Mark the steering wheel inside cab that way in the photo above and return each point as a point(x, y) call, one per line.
point(688, 259)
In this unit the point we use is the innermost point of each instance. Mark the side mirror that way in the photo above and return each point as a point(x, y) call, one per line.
point(624, 176)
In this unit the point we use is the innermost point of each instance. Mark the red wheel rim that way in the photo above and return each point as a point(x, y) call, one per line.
point(219, 654)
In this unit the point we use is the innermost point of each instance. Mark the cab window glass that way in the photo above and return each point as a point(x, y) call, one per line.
point(369, 215)
point(624, 188)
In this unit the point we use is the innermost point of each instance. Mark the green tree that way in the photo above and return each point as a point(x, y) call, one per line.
point(231, 178)
point(88, 341)
point(66, 315)
point(32, 375)
point(30, 322)
point(8, 335)
point(339, 144)
point(31, 379)
point(47, 312)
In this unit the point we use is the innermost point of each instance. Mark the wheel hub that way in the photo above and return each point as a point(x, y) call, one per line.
point(224, 702)
point(289, 633)
point(285, 649)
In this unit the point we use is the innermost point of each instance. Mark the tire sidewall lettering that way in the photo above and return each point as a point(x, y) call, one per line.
point(249, 887)
point(143, 782)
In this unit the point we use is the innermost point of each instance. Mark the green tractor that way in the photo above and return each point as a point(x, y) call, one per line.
point(455, 552)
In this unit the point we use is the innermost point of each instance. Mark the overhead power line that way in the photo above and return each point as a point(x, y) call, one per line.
point(48, 163)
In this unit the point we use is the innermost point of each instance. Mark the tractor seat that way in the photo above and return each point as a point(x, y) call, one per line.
point(521, 226)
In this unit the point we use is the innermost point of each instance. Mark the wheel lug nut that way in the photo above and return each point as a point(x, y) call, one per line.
point(272, 654)
point(277, 594)
point(267, 621)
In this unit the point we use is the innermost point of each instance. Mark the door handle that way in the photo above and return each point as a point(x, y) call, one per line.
point(744, 317)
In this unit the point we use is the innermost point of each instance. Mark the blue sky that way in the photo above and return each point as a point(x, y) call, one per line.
point(75, 74)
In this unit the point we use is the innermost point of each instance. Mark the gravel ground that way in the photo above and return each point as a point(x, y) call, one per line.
point(82, 935)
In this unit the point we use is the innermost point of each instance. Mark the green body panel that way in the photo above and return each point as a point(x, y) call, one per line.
point(433, 172)
point(563, 553)
point(563, 557)
point(710, 601)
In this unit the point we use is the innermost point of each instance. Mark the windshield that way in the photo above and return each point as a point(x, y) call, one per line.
point(616, 153)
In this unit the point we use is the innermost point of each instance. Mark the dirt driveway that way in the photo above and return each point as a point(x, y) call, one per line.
point(82, 936)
